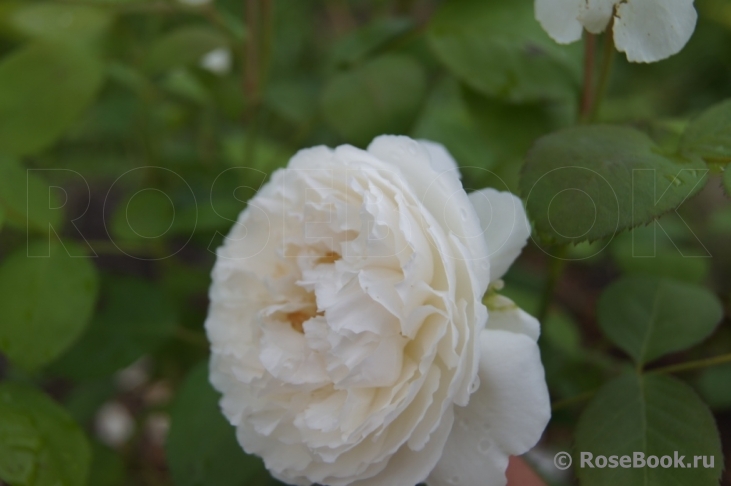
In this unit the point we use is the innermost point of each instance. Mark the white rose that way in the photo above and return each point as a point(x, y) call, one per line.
point(646, 30)
point(349, 338)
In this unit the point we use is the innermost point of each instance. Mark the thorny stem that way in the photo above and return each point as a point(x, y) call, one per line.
point(665, 370)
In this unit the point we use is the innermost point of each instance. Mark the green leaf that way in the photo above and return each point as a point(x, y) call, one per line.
point(182, 82)
point(147, 214)
point(709, 135)
point(658, 251)
point(512, 128)
point(136, 319)
point(25, 198)
point(650, 317)
point(86, 398)
point(587, 183)
point(185, 46)
point(727, 181)
point(366, 40)
point(654, 415)
point(40, 445)
point(562, 332)
point(107, 467)
point(54, 22)
point(45, 302)
point(202, 447)
point(44, 87)
point(2, 218)
point(499, 49)
point(714, 385)
point(293, 99)
point(381, 96)
point(446, 120)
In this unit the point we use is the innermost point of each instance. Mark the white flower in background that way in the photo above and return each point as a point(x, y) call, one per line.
point(218, 61)
point(349, 337)
point(646, 30)
point(114, 424)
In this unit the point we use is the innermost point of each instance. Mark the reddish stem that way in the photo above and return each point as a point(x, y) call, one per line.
point(588, 94)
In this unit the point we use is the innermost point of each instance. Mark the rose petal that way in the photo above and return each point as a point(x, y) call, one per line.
point(408, 467)
point(442, 195)
point(595, 15)
point(505, 315)
point(559, 19)
point(505, 416)
point(441, 159)
point(505, 227)
point(652, 30)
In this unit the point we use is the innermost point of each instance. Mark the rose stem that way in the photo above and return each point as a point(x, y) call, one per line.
point(257, 52)
point(665, 370)
point(556, 266)
point(605, 73)
point(587, 95)
point(694, 365)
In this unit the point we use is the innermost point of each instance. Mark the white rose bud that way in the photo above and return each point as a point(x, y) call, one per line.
point(646, 30)
point(349, 337)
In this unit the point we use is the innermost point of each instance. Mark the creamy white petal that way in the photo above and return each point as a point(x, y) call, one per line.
point(441, 159)
point(505, 227)
point(596, 14)
point(652, 30)
point(507, 316)
point(442, 194)
point(506, 415)
point(559, 18)
point(407, 466)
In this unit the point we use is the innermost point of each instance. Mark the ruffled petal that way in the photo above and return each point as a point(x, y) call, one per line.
point(407, 466)
point(652, 30)
point(506, 415)
point(505, 227)
point(559, 18)
point(596, 14)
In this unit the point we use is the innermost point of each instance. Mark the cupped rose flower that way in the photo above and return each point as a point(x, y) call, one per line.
point(349, 336)
point(646, 30)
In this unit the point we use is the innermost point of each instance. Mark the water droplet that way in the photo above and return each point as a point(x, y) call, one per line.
point(463, 213)
point(453, 480)
point(484, 446)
